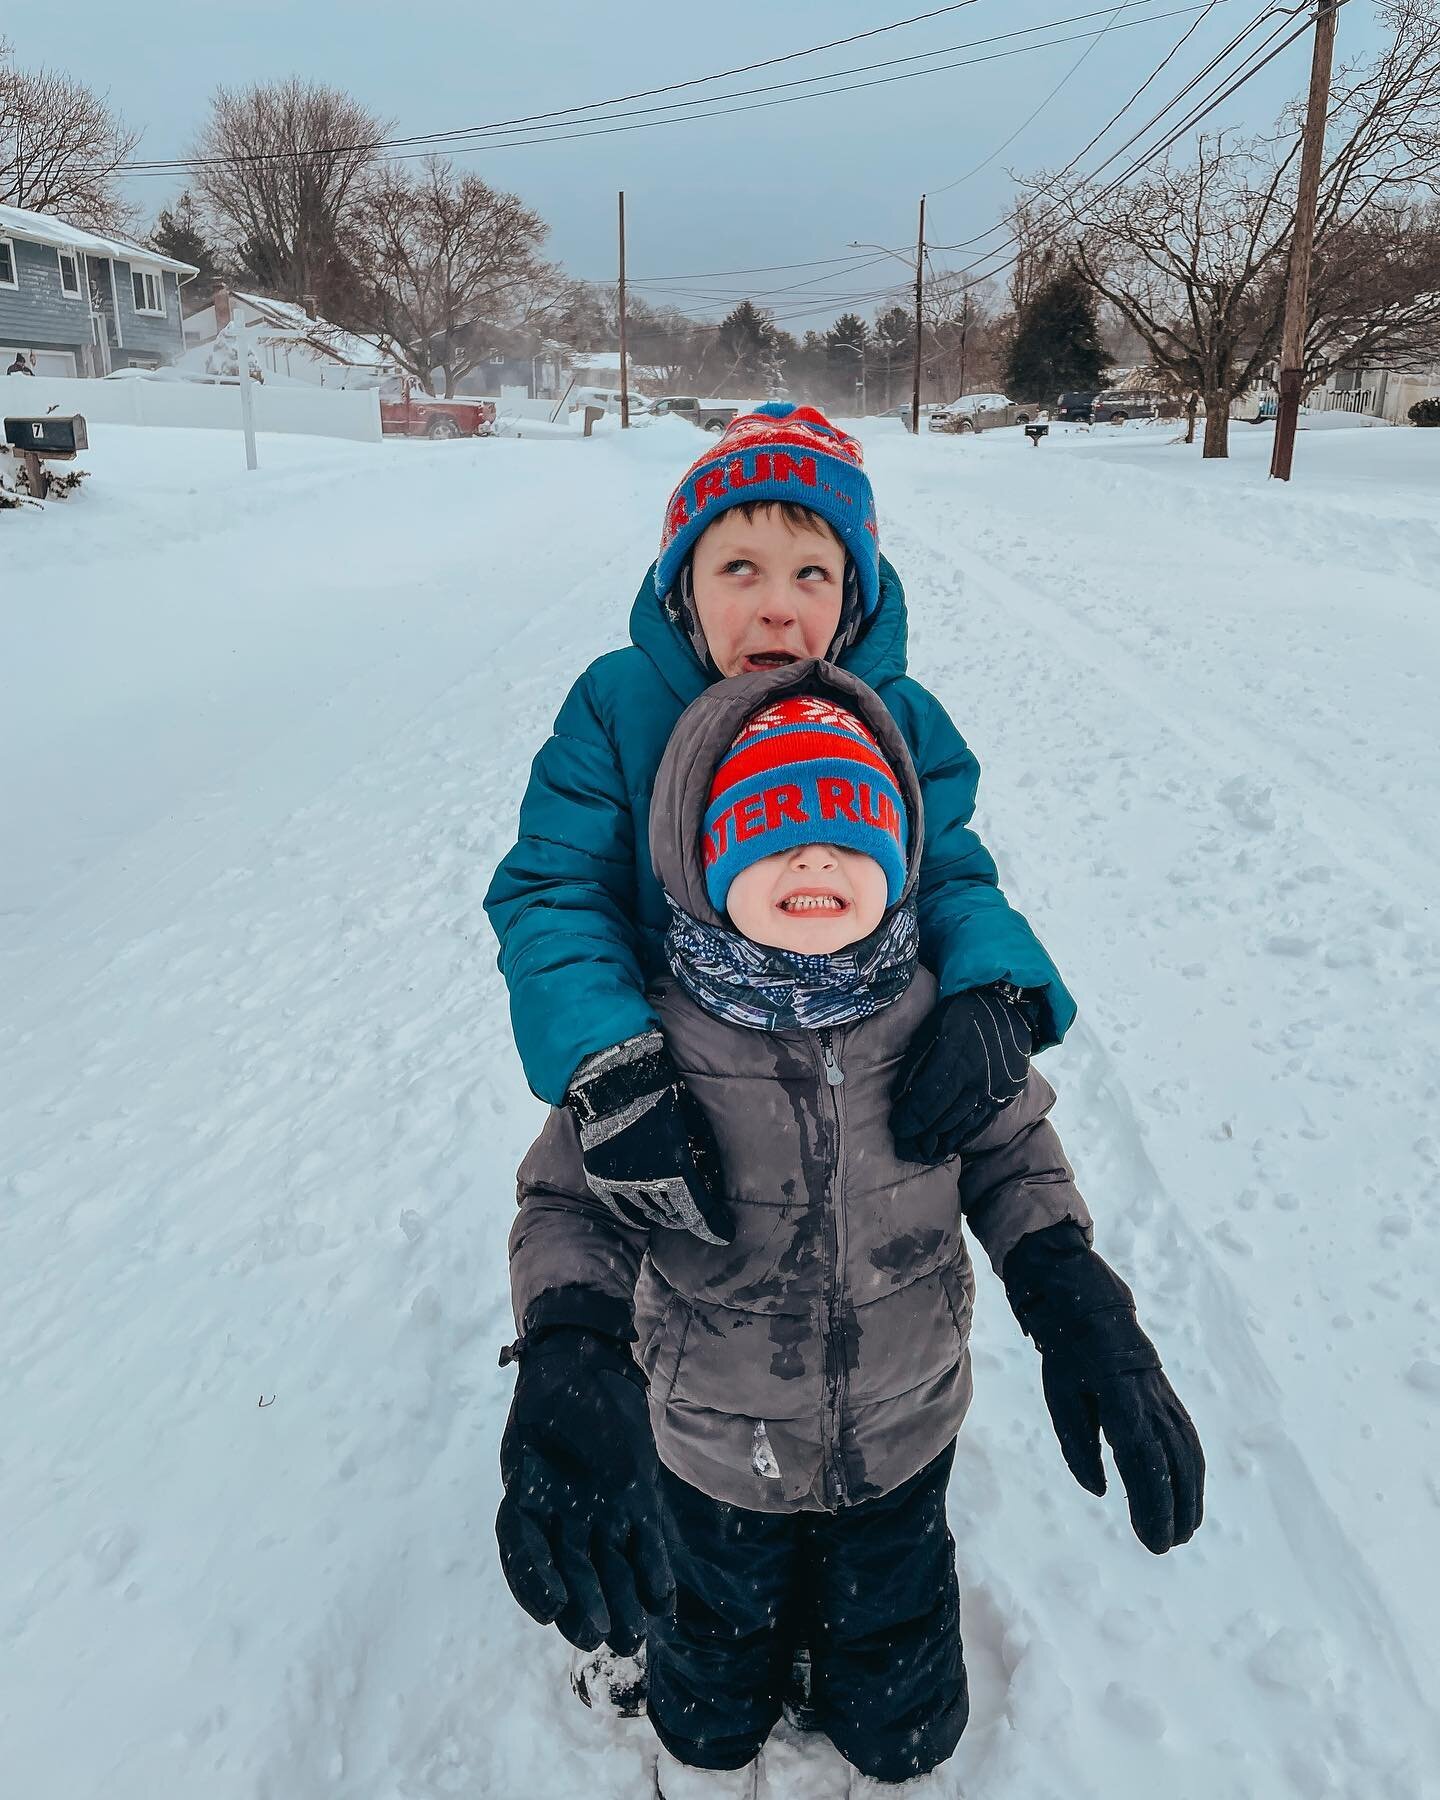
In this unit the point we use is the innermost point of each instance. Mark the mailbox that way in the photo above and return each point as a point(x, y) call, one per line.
point(57, 434)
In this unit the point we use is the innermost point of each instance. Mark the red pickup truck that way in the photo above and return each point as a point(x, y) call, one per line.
point(406, 410)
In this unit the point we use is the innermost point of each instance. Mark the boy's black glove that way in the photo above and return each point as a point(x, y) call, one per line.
point(1101, 1373)
point(968, 1060)
point(579, 1527)
point(649, 1151)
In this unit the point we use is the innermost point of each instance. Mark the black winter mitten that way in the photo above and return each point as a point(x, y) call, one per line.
point(1101, 1373)
point(579, 1527)
point(649, 1151)
point(969, 1059)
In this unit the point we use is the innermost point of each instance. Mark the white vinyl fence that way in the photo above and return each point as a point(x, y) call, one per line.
point(312, 411)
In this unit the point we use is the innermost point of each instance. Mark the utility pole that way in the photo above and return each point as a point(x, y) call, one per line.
point(624, 360)
point(1302, 244)
point(919, 328)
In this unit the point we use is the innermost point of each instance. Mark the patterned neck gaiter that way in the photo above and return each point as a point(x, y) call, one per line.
point(785, 990)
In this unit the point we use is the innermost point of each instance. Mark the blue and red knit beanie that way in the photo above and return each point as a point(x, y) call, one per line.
point(778, 452)
point(803, 771)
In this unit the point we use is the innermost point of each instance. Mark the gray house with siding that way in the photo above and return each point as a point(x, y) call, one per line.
point(73, 302)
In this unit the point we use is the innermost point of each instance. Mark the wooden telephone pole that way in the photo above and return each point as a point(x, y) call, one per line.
point(919, 321)
point(1302, 245)
point(624, 359)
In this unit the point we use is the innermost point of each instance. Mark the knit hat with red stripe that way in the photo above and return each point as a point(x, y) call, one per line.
point(803, 771)
point(778, 452)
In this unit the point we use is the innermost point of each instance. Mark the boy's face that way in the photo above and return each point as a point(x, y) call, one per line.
point(768, 592)
point(817, 899)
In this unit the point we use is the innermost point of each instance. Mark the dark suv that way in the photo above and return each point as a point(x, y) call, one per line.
point(1075, 407)
point(1115, 407)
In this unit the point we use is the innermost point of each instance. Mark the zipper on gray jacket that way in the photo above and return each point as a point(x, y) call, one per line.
point(834, 1074)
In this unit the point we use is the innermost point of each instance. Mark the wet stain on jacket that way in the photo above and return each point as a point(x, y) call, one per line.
point(902, 1255)
point(788, 1332)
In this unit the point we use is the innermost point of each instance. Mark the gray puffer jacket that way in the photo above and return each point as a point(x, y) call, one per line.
point(822, 1358)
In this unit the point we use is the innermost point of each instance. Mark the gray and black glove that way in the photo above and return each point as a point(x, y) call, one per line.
point(1101, 1373)
point(579, 1528)
point(649, 1151)
point(968, 1060)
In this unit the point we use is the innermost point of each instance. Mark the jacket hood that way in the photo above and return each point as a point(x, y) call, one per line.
point(878, 656)
point(706, 730)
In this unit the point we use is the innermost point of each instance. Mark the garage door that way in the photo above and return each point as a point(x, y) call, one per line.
point(47, 362)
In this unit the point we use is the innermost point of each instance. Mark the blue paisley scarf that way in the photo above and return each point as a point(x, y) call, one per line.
point(785, 990)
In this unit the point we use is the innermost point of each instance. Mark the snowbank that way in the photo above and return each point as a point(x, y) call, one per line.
point(261, 1113)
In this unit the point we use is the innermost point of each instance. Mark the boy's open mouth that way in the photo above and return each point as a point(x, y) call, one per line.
point(767, 659)
point(813, 903)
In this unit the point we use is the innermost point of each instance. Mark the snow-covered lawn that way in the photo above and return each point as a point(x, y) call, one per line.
point(263, 738)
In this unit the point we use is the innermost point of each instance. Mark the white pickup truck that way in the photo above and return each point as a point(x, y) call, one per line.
point(709, 415)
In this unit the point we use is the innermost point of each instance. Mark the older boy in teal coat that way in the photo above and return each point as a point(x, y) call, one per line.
point(770, 554)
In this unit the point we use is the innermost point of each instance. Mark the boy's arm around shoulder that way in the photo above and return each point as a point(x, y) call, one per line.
point(572, 1262)
point(1014, 1178)
point(561, 902)
point(970, 935)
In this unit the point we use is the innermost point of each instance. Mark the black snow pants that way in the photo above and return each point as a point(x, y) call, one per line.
point(871, 1589)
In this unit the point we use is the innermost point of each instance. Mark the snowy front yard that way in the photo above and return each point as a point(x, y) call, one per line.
point(263, 741)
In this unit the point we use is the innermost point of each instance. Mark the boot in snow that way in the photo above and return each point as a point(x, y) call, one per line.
point(796, 1702)
point(675, 1780)
point(939, 1784)
point(609, 1682)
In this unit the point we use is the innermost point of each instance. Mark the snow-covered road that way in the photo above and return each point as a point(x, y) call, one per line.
point(263, 741)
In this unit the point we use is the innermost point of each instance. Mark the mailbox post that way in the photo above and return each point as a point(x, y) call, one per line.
point(57, 437)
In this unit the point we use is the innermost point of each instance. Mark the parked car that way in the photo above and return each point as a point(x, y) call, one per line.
point(980, 412)
point(1077, 408)
point(708, 415)
point(1118, 405)
point(903, 412)
point(406, 410)
point(607, 399)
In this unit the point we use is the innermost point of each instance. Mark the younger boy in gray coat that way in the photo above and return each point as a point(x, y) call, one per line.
point(767, 1466)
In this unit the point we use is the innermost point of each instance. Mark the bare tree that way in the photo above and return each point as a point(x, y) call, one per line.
point(1193, 255)
point(1375, 292)
point(445, 256)
point(61, 146)
point(1182, 256)
point(279, 170)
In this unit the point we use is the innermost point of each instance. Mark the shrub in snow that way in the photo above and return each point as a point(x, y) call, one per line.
point(1425, 412)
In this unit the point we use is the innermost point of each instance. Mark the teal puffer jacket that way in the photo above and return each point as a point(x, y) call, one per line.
point(579, 914)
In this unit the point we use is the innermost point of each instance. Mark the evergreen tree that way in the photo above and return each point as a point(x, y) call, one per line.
point(1056, 348)
point(179, 232)
point(748, 341)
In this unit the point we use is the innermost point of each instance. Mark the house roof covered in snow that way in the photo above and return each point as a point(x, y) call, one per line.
point(41, 228)
point(283, 319)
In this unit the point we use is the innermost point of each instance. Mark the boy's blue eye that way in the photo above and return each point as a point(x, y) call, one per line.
point(735, 565)
point(815, 569)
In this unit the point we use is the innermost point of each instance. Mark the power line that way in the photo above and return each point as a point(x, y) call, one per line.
point(889, 62)
point(1219, 57)
point(1031, 117)
point(813, 302)
point(670, 87)
point(659, 281)
point(852, 87)
point(1193, 118)
point(1209, 67)
point(701, 107)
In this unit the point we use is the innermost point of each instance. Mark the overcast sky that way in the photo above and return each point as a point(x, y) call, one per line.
point(786, 184)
